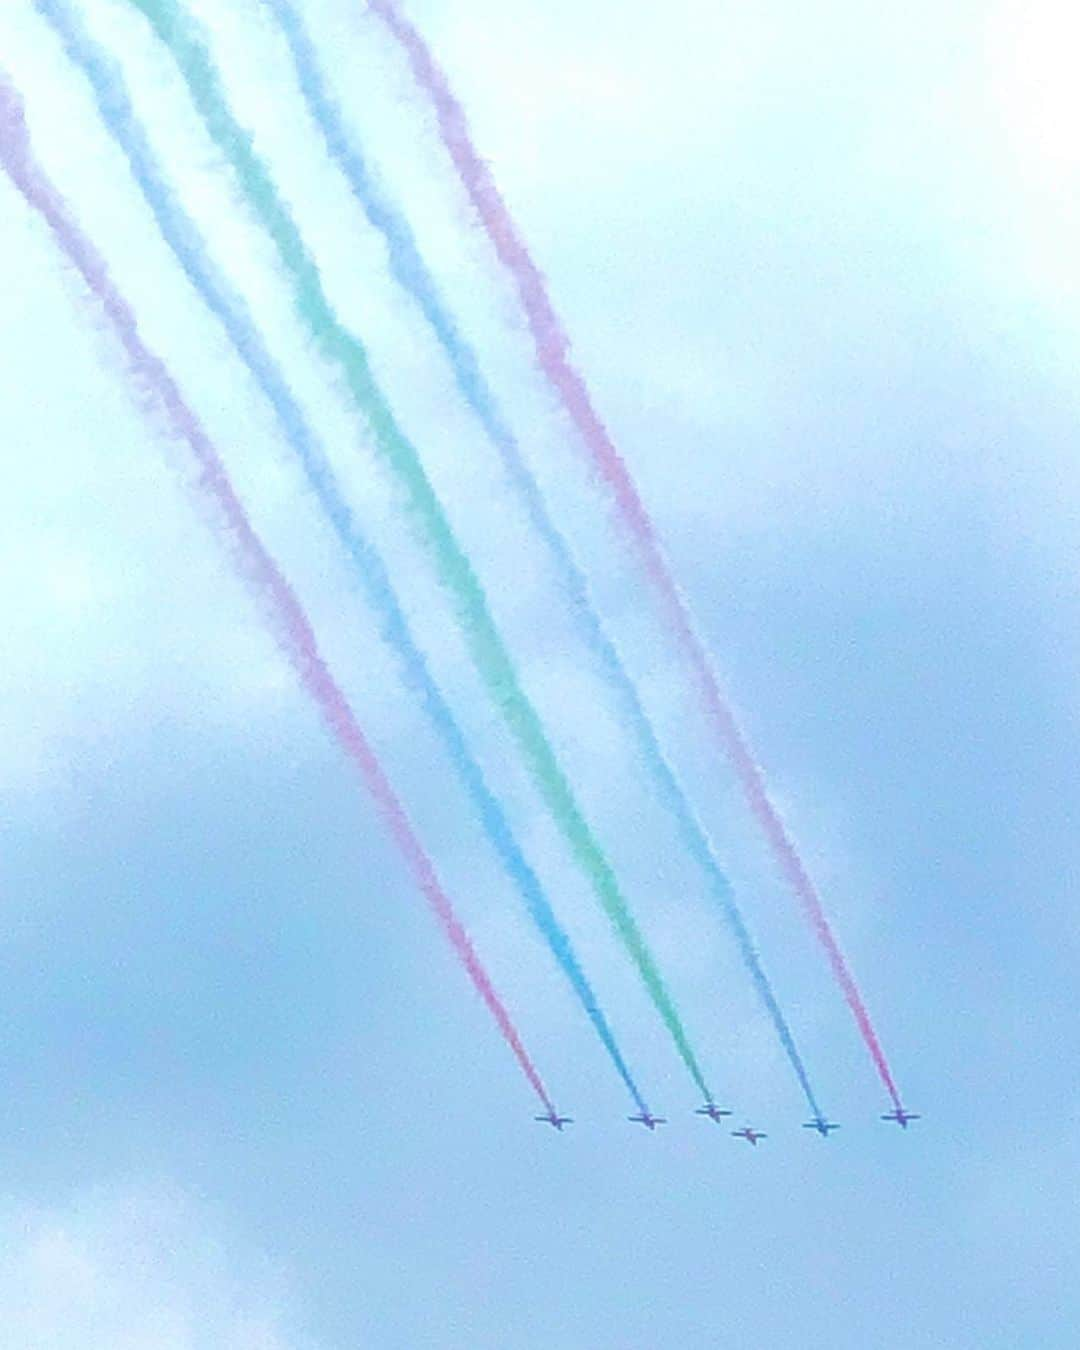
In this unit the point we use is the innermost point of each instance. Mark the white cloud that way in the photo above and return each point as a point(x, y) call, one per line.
point(132, 1268)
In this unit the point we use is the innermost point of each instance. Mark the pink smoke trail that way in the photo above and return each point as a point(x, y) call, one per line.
point(552, 350)
point(293, 628)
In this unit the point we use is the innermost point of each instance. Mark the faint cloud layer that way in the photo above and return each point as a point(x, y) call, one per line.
point(131, 1268)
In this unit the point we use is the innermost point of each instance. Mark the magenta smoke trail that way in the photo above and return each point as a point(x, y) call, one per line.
point(292, 626)
point(552, 350)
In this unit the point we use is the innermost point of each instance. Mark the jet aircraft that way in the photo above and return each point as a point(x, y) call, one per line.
point(713, 1111)
point(822, 1126)
point(555, 1120)
point(649, 1121)
point(901, 1117)
point(750, 1135)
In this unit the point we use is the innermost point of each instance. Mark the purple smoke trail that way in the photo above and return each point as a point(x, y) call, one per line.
point(552, 350)
point(293, 628)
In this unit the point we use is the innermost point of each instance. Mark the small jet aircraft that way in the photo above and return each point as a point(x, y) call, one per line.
point(901, 1117)
point(713, 1111)
point(822, 1126)
point(750, 1135)
point(649, 1121)
point(555, 1120)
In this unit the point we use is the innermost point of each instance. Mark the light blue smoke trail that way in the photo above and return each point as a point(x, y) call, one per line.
point(187, 245)
point(412, 274)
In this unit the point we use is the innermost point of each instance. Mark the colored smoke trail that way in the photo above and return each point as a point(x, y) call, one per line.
point(192, 56)
point(552, 350)
point(290, 622)
point(182, 235)
point(413, 275)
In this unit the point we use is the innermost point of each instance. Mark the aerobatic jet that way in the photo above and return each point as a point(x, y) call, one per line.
point(713, 1111)
point(557, 1121)
point(649, 1121)
point(822, 1126)
point(750, 1135)
point(901, 1117)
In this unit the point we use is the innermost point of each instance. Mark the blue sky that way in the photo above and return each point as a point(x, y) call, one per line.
point(820, 270)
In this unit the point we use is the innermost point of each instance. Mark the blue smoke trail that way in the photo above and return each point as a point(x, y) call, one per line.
point(410, 271)
point(186, 243)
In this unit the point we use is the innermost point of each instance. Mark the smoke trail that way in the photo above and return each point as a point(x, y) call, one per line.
point(183, 237)
point(552, 350)
point(411, 272)
point(178, 33)
point(291, 625)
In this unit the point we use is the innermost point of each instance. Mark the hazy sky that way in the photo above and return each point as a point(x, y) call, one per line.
point(820, 268)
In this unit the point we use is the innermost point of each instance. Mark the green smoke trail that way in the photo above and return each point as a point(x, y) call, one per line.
point(192, 56)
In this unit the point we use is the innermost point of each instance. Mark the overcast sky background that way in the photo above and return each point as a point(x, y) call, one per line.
point(820, 268)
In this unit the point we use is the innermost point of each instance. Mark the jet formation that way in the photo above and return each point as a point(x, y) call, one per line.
point(820, 1124)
